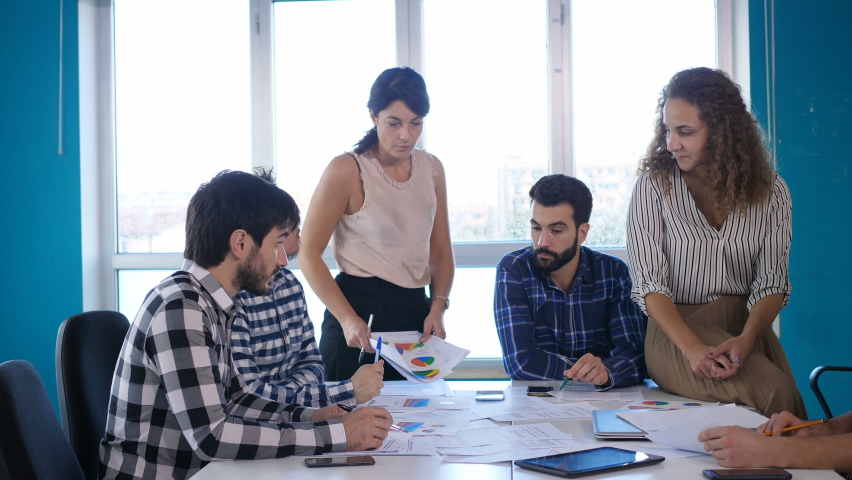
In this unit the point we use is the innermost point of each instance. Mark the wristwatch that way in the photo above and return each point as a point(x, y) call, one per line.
point(445, 299)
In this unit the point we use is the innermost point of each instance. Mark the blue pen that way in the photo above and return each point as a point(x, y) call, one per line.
point(378, 350)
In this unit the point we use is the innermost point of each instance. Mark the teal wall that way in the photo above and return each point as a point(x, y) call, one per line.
point(813, 87)
point(41, 283)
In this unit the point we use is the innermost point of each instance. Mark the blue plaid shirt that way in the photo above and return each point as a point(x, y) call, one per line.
point(536, 320)
point(275, 351)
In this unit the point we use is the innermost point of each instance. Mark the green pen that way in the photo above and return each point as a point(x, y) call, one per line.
point(570, 364)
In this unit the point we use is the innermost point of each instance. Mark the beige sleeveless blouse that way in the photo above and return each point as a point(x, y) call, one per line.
point(389, 236)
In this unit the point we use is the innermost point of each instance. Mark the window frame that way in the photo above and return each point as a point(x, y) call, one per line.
point(101, 262)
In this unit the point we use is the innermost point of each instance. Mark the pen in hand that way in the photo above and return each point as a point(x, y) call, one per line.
point(369, 326)
point(796, 427)
point(570, 365)
point(378, 350)
point(396, 428)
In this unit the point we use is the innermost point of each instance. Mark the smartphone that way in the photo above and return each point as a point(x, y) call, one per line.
point(489, 395)
point(539, 391)
point(749, 474)
point(340, 461)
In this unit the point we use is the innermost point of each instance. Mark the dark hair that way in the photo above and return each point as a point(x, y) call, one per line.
point(398, 83)
point(556, 189)
point(736, 159)
point(232, 201)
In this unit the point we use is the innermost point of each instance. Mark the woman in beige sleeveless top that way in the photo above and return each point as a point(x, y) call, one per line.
point(386, 205)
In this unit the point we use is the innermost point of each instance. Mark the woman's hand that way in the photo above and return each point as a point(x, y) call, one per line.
point(357, 334)
point(735, 351)
point(434, 325)
point(705, 366)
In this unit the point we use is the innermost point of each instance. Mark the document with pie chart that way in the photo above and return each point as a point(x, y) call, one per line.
point(416, 361)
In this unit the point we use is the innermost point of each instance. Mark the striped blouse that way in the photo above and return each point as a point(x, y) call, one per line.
point(674, 251)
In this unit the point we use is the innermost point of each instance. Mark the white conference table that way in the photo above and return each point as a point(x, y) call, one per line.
point(431, 468)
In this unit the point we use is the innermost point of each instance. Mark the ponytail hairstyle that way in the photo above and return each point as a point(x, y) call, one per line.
point(398, 83)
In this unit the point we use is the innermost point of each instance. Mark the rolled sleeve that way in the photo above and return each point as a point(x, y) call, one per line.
point(771, 266)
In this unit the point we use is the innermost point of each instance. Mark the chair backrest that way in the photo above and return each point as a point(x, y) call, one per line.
point(87, 349)
point(31, 439)
point(814, 380)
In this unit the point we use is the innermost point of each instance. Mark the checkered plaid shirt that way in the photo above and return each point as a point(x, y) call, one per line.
point(275, 351)
point(536, 320)
point(177, 401)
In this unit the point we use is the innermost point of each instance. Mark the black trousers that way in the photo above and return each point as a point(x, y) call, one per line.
point(394, 309)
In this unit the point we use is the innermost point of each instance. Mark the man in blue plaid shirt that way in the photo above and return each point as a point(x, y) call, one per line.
point(563, 310)
point(177, 400)
point(276, 353)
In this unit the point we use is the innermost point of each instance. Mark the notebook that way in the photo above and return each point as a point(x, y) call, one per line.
point(608, 425)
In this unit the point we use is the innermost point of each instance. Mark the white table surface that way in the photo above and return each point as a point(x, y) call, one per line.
point(433, 468)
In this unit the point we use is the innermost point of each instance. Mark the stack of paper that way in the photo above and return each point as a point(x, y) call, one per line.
point(416, 361)
point(680, 428)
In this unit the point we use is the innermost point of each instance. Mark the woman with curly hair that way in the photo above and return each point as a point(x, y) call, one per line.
point(708, 238)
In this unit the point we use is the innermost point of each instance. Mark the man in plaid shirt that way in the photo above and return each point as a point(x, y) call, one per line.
point(177, 400)
point(276, 353)
point(563, 310)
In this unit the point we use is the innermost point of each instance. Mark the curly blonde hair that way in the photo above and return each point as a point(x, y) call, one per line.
point(739, 172)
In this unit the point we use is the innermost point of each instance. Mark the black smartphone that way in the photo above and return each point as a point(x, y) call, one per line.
point(489, 395)
point(340, 461)
point(539, 391)
point(749, 474)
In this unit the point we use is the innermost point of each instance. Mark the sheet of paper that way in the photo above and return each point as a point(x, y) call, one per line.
point(504, 447)
point(429, 428)
point(498, 457)
point(572, 410)
point(446, 416)
point(663, 405)
point(491, 436)
point(399, 444)
point(683, 434)
point(654, 420)
point(407, 388)
point(416, 361)
point(513, 404)
point(624, 394)
point(421, 403)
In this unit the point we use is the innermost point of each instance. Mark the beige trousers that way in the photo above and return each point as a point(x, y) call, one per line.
point(765, 380)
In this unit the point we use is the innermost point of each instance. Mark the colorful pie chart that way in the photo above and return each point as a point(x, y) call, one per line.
point(422, 361)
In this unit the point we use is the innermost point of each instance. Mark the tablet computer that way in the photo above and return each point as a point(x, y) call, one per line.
point(608, 425)
point(589, 462)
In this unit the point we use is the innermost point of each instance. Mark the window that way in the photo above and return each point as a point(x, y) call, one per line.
point(519, 88)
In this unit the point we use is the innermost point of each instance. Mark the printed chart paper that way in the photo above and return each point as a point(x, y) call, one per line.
point(416, 361)
point(623, 394)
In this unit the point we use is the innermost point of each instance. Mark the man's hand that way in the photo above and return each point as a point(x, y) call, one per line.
point(588, 368)
point(779, 421)
point(367, 382)
point(366, 428)
point(330, 412)
point(357, 334)
point(434, 325)
point(741, 447)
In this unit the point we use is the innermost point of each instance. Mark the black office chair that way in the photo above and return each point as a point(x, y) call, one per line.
point(815, 387)
point(31, 439)
point(87, 349)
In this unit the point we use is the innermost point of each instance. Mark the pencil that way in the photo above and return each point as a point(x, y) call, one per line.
point(796, 427)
